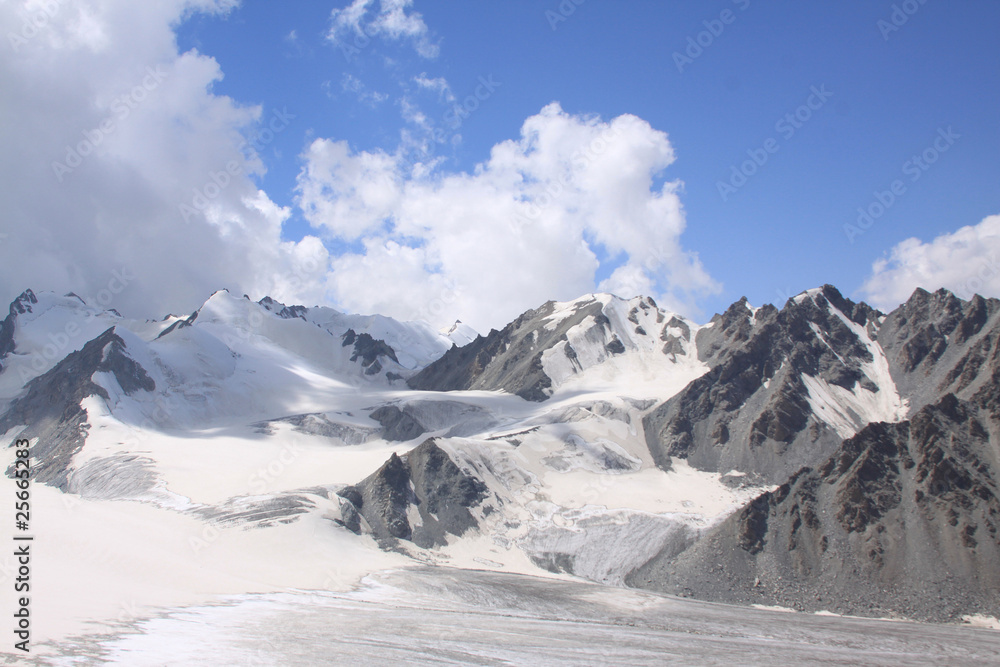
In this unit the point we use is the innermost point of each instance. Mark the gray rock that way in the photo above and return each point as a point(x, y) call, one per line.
point(750, 412)
point(902, 520)
point(425, 479)
point(397, 425)
point(50, 406)
point(510, 359)
point(22, 304)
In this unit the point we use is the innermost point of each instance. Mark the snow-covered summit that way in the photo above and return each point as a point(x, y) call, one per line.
point(459, 333)
point(559, 342)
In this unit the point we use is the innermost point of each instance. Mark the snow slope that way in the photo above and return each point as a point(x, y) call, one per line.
point(222, 476)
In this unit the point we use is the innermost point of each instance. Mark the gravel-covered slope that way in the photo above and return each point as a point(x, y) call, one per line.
point(902, 520)
point(758, 409)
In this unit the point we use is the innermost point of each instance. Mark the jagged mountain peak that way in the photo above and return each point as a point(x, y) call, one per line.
point(40, 329)
point(51, 406)
point(23, 302)
point(656, 449)
point(553, 344)
point(902, 519)
point(459, 333)
point(281, 310)
point(784, 386)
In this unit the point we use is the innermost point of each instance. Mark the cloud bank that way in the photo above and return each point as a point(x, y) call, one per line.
point(122, 168)
point(966, 262)
point(119, 160)
point(531, 223)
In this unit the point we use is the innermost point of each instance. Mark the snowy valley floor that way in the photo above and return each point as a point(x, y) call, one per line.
point(435, 615)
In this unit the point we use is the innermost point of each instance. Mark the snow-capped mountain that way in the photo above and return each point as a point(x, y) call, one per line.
point(812, 456)
point(556, 345)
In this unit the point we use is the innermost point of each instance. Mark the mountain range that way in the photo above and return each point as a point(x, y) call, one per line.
point(823, 456)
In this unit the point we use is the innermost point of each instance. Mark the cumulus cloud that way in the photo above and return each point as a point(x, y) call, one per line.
point(353, 26)
point(524, 227)
point(119, 160)
point(966, 262)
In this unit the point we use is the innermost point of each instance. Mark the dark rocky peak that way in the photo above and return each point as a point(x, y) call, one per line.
point(50, 409)
point(732, 328)
point(918, 330)
point(180, 324)
point(73, 375)
point(22, 304)
point(825, 303)
point(283, 311)
point(902, 519)
point(426, 479)
point(933, 316)
point(368, 350)
point(735, 319)
point(859, 313)
point(129, 374)
point(937, 343)
point(511, 359)
point(751, 411)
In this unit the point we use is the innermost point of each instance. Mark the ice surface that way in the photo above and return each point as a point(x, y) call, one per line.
point(439, 616)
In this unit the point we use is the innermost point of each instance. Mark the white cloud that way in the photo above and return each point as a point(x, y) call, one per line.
point(370, 98)
point(108, 131)
point(118, 157)
point(965, 262)
point(437, 85)
point(352, 26)
point(519, 230)
point(355, 194)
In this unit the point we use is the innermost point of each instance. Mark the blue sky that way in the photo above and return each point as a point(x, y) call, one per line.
point(895, 78)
